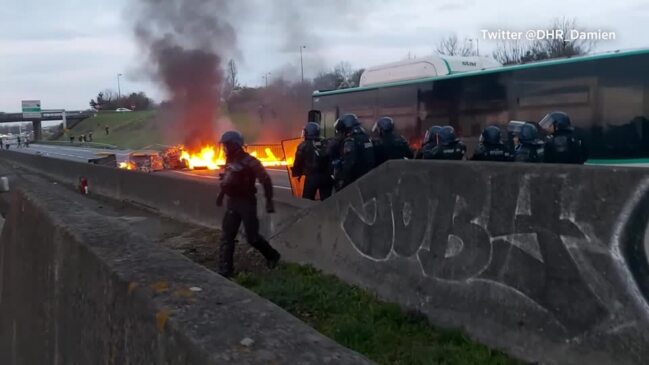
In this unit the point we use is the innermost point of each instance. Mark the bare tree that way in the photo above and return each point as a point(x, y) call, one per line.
point(451, 46)
point(561, 47)
point(514, 52)
point(232, 80)
point(510, 53)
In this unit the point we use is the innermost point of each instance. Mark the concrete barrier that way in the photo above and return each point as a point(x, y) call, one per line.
point(177, 197)
point(79, 288)
point(546, 262)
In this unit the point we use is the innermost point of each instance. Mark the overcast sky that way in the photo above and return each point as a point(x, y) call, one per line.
point(64, 52)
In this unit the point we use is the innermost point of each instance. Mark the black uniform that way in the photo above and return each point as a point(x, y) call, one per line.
point(563, 147)
point(238, 184)
point(451, 151)
point(530, 148)
point(490, 152)
point(532, 151)
point(391, 147)
point(312, 162)
point(357, 157)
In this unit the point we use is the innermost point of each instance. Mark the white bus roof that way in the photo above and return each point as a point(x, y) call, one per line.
point(422, 68)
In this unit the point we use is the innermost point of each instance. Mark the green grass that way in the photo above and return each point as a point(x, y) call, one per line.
point(357, 320)
point(141, 129)
point(127, 130)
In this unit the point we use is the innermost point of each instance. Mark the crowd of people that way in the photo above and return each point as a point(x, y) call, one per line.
point(330, 165)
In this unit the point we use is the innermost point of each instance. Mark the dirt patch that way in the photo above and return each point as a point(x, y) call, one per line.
point(201, 245)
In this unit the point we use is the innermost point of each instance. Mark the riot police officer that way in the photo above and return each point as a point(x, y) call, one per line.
point(561, 146)
point(312, 161)
point(388, 145)
point(530, 147)
point(334, 150)
point(357, 154)
point(449, 147)
point(431, 140)
point(238, 185)
point(491, 147)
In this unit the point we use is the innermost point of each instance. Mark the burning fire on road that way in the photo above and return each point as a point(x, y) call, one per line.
point(213, 158)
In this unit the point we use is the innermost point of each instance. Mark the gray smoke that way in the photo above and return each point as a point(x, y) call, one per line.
point(187, 43)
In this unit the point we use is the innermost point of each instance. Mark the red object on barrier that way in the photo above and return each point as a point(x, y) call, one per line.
point(83, 185)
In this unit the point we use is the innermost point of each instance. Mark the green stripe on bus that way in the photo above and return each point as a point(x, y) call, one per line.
point(618, 162)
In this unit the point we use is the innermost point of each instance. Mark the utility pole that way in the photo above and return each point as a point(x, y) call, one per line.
point(266, 76)
point(302, 62)
point(119, 91)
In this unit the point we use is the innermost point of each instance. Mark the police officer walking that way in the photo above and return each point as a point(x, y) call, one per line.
point(530, 147)
point(448, 147)
point(357, 155)
point(561, 145)
point(388, 145)
point(491, 147)
point(312, 161)
point(238, 185)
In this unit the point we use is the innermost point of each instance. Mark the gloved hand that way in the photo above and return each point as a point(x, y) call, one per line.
point(299, 178)
point(219, 200)
point(270, 206)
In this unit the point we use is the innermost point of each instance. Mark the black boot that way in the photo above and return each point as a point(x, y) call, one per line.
point(226, 258)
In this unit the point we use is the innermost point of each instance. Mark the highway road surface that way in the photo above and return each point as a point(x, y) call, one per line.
point(83, 154)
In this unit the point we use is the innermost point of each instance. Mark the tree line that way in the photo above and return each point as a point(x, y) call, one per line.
point(512, 52)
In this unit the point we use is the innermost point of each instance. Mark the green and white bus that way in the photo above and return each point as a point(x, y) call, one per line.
point(606, 96)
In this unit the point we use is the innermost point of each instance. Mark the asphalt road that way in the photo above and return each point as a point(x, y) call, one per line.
point(83, 154)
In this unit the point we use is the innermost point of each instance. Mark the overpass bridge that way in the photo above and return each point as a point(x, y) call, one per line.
point(56, 114)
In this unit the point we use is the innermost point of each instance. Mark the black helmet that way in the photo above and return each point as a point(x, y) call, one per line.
point(383, 125)
point(528, 133)
point(339, 128)
point(556, 121)
point(349, 121)
point(432, 135)
point(447, 135)
point(491, 135)
point(232, 138)
point(311, 131)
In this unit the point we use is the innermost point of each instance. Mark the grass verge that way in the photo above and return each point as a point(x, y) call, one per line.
point(357, 320)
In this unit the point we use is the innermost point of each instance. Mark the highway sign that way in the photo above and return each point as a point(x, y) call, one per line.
point(32, 109)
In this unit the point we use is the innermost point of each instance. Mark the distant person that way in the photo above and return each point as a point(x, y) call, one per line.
point(18, 140)
point(26, 142)
point(357, 153)
point(2, 143)
point(71, 139)
point(107, 130)
point(530, 148)
point(561, 145)
point(312, 162)
point(80, 139)
point(89, 136)
point(491, 147)
point(238, 184)
point(449, 146)
point(387, 144)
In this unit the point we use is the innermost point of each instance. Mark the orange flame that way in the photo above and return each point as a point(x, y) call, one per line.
point(208, 158)
point(128, 165)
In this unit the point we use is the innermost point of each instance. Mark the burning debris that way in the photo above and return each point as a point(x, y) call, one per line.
point(205, 158)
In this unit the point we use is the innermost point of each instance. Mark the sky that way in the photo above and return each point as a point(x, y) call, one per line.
point(64, 52)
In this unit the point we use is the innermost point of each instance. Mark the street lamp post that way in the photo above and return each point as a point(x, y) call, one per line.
point(266, 76)
point(302, 62)
point(119, 91)
point(477, 45)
